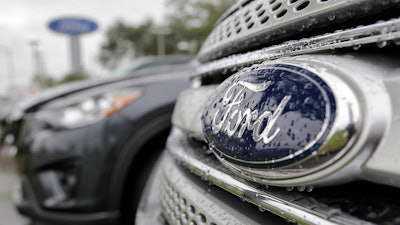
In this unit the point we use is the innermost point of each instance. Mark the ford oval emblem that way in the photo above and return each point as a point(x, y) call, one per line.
point(73, 25)
point(268, 117)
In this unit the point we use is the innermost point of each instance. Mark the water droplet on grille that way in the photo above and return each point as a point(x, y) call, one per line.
point(289, 188)
point(381, 43)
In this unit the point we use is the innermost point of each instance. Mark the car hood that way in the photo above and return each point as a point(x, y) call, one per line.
point(33, 103)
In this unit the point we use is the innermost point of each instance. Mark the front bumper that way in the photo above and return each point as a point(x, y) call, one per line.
point(66, 173)
point(27, 204)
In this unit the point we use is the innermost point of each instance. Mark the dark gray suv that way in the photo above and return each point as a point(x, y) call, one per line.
point(292, 116)
point(84, 150)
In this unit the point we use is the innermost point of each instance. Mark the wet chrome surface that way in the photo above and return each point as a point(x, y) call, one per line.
point(279, 202)
point(380, 34)
point(368, 89)
point(366, 119)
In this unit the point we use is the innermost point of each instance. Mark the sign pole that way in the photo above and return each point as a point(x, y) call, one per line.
point(76, 64)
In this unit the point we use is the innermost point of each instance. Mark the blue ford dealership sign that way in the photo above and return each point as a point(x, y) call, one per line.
point(269, 117)
point(73, 25)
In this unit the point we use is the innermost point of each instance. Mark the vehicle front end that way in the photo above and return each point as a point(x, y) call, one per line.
point(75, 150)
point(292, 117)
point(65, 153)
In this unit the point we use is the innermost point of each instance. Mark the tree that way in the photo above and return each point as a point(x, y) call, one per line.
point(196, 18)
point(43, 81)
point(127, 41)
point(189, 28)
point(76, 76)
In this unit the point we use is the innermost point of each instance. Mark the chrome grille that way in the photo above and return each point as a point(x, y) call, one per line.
point(263, 21)
point(380, 34)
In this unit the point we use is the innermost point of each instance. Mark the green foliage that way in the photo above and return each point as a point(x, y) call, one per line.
point(125, 40)
point(43, 81)
point(188, 22)
point(196, 18)
point(76, 76)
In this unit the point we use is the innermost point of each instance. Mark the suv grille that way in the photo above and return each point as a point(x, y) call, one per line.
point(266, 22)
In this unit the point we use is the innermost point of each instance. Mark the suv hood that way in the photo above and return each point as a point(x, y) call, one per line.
point(33, 104)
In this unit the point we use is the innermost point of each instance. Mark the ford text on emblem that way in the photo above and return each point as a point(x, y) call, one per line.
point(269, 117)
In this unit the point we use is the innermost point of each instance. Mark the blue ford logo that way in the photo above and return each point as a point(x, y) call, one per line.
point(269, 117)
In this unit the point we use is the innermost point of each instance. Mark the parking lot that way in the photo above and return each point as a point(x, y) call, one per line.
point(8, 178)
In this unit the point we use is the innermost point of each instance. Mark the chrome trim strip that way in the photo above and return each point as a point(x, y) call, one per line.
point(379, 33)
point(249, 192)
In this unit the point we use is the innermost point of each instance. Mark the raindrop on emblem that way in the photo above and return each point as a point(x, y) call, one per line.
point(308, 100)
point(308, 86)
point(308, 137)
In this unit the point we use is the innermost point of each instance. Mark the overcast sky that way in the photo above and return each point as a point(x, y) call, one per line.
point(22, 21)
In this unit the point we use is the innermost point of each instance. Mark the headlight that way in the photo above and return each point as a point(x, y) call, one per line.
point(78, 110)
